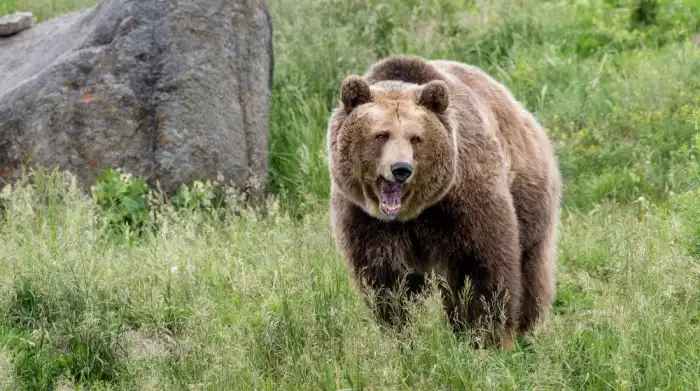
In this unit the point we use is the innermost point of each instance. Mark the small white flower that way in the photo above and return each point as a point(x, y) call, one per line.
point(173, 269)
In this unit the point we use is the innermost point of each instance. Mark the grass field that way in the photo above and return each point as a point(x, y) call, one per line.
point(228, 298)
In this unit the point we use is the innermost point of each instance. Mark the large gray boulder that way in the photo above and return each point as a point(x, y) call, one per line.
point(170, 90)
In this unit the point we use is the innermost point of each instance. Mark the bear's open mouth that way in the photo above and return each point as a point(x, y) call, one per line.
point(390, 197)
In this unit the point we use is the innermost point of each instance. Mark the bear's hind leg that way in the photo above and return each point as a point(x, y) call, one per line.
point(538, 276)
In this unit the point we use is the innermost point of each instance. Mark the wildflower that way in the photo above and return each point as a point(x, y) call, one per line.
point(173, 269)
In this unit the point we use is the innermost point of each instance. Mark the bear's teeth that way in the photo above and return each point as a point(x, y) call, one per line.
point(390, 210)
point(393, 206)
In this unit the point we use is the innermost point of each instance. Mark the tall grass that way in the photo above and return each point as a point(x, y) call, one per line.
point(240, 302)
point(229, 298)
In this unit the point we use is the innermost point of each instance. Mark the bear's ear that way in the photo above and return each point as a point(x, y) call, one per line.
point(435, 96)
point(354, 92)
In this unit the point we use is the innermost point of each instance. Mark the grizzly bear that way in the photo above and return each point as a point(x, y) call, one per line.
point(436, 169)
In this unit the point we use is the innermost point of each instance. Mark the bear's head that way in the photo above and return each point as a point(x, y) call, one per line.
point(393, 148)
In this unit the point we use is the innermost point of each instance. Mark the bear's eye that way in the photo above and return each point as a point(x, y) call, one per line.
point(415, 140)
point(382, 136)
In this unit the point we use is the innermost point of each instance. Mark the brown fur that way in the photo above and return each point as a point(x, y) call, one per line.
point(482, 201)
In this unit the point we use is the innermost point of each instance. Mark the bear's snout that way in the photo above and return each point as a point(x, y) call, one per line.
point(401, 171)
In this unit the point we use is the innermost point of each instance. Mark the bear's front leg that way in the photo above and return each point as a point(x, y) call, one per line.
point(490, 256)
point(390, 289)
point(377, 254)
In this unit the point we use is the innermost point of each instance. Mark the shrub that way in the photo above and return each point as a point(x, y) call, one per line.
point(122, 199)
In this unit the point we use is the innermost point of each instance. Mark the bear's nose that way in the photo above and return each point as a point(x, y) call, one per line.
point(401, 171)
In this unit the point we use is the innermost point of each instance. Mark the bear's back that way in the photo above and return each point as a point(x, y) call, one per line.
point(406, 69)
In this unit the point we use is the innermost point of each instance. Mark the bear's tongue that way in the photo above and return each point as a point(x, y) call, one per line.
point(390, 198)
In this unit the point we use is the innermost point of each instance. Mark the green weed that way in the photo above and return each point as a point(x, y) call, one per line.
point(123, 201)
